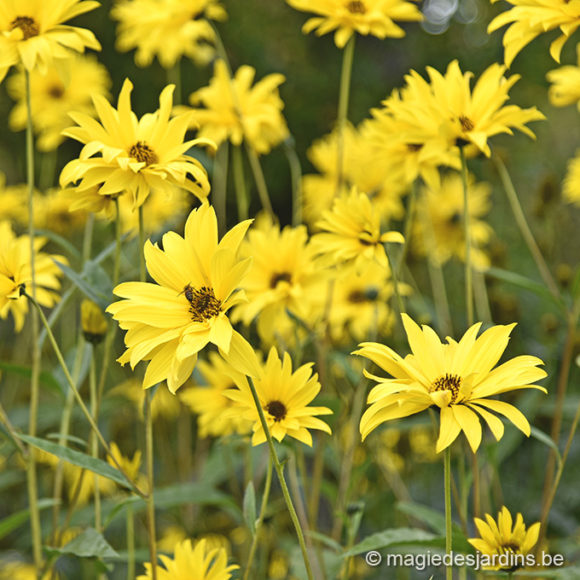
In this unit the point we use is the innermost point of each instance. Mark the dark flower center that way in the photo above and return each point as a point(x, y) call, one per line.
point(414, 147)
point(203, 304)
point(56, 91)
point(280, 277)
point(143, 153)
point(27, 25)
point(466, 123)
point(367, 295)
point(356, 7)
point(277, 409)
point(447, 383)
point(455, 218)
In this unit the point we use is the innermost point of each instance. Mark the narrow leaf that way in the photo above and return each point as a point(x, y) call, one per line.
point(14, 521)
point(89, 544)
point(101, 299)
point(546, 440)
point(250, 508)
point(390, 537)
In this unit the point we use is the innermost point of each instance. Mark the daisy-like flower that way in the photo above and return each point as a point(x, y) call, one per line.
point(16, 273)
point(67, 85)
point(168, 29)
point(351, 231)
point(565, 89)
point(284, 397)
point(231, 108)
point(367, 17)
point(32, 32)
point(440, 232)
point(504, 544)
point(571, 187)
point(122, 153)
point(530, 18)
point(200, 562)
point(197, 279)
point(458, 377)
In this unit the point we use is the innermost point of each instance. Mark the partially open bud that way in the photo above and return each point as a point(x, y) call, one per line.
point(93, 322)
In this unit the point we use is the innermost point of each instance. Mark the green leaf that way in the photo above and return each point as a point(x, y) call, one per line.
point(60, 241)
point(390, 537)
point(546, 440)
point(89, 544)
point(14, 521)
point(250, 508)
point(125, 503)
point(79, 281)
point(426, 515)
point(83, 460)
point(46, 378)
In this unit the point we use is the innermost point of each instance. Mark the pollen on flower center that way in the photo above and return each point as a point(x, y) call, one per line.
point(143, 153)
point(27, 25)
point(447, 383)
point(356, 7)
point(203, 304)
point(280, 277)
point(277, 409)
point(466, 123)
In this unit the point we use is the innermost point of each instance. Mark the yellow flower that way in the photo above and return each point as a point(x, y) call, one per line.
point(14, 206)
point(351, 232)
point(168, 29)
point(135, 155)
point(93, 322)
point(32, 32)
point(457, 377)
point(374, 17)
point(16, 273)
point(530, 18)
point(80, 484)
point(505, 544)
point(200, 562)
point(284, 396)
point(565, 89)
point(130, 465)
point(571, 189)
point(197, 279)
point(439, 227)
point(234, 110)
point(67, 85)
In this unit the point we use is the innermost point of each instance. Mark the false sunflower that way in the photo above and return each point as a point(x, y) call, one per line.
point(197, 280)
point(458, 377)
point(168, 29)
point(32, 32)
point(198, 561)
point(284, 397)
point(503, 544)
point(122, 153)
point(367, 17)
point(565, 88)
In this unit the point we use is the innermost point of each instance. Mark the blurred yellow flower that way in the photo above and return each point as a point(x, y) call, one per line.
point(284, 397)
point(32, 32)
point(80, 484)
point(571, 187)
point(67, 85)
point(93, 322)
point(135, 155)
point(374, 17)
point(565, 88)
point(197, 281)
point(167, 29)
point(504, 544)
point(457, 377)
point(234, 109)
point(130, 465)
point(14, 207)
point(16, 273)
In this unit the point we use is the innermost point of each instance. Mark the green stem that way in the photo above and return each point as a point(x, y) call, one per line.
point(448, 521)
point(219, 185)
point(174, 78)
point(12, 433)
point(117, 258)
point(343, 98)
point(467, 230)
point(259, 180)
point(260, 520)
point(280, 473)
point(130, 544)
point(296, 179)
point(394, 276)
point(94, 444)
point(142, 269)
point(150, 501)
point(240, 182)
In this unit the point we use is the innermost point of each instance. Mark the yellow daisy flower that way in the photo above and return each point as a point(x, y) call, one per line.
point(439, 228)
point(135, 155)
point(15, 272)
point(457, 377)
point(504, 544)
point(200, 562)
point(565, 89)
point(197, 279)
point(284, 396)
point(93, 322)
point(67, 85)
point(530, 18)
point(32, 32)
point(14, 206)
point(374, 17)
point(234, 109)
point(168, 29)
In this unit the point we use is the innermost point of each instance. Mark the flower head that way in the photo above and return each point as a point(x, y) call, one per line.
point(374, 17)
point(168, 29)
point(198, 561)
point(565, 89)
point(125, 154)
point(505, 542)
point(284, 396)
point(571, 188)
point(197, 282)
point(32, 32)
point(457, 377)
point(231, 108)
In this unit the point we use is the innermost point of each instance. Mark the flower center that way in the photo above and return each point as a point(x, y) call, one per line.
point(466, 123)
point(143, 153)
point(280, 277)
point(277, 409)
point(366, 238)
point(414, 147)
point(56, 91)
point(447, 383)
point(367, 295)
point(203, 304)
point(356, 7)
point(27, 25)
